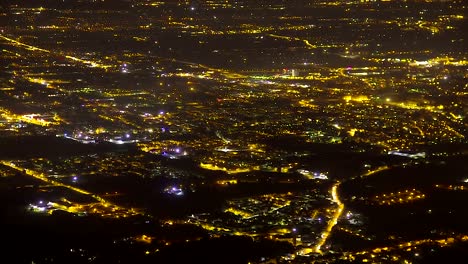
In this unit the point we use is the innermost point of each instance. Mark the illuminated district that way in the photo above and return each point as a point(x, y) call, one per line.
point(234, 131)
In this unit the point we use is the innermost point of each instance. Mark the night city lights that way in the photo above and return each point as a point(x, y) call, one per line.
point(234, 131)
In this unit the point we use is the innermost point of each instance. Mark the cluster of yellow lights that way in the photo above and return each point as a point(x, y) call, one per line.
point(405, 196)
point(307, 103)
point(452, 187)
point(407, 246)
point(35, 119)
point(354, 233)
point(358, 98)
point(226, 182)
point(214, 167)
point(305, 41)
point(96, 208)
point(144, 239)
point(238, 212)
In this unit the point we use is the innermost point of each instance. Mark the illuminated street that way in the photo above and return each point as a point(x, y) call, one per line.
point(333, 221)
point(107, 208)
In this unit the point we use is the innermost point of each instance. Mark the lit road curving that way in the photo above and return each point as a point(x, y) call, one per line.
point(336, 199)
point(333, 221)
point(317, 248)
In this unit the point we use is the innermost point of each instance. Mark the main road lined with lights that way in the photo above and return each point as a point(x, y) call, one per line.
point(112, 208)
point(317, 248)
point(72, 58)
point(333, 221)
